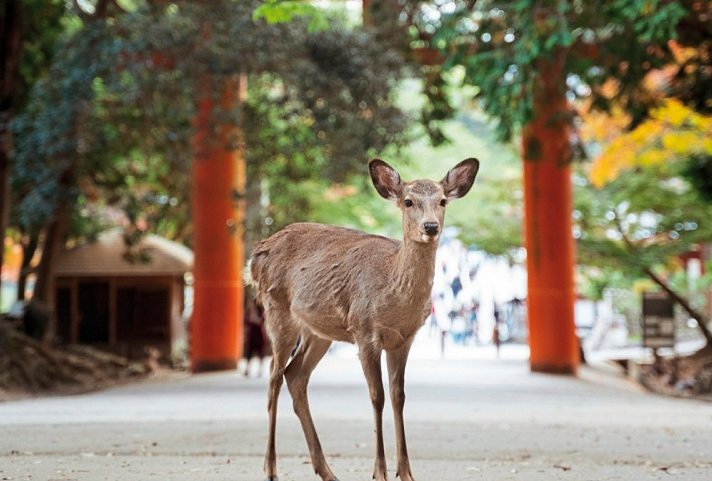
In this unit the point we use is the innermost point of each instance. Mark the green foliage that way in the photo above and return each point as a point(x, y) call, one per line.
point(604, 51)
point(57, 138)
point(495, 226)
point(111, 125)
point(281, 11)
point(42, 24)
point(592, 281)
point(640, 220)
point(344, 93)
point(500, 46)
point(490, 217)
point(304, 176)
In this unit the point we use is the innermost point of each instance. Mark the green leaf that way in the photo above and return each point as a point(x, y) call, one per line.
point(282, 11)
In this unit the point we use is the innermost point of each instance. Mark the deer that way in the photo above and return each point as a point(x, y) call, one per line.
point(321, 283)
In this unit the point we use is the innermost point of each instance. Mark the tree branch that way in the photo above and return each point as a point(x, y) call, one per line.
point(684, 303)
point(694, 313)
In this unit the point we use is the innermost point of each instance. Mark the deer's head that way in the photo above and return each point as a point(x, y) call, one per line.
point(423, 202)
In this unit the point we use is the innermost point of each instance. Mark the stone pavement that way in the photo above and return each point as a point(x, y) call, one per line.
point(467, 419)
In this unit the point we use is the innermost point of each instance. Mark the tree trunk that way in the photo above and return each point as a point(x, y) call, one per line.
point(40, 319)
point(10, 50)
point(29, 247)
point(54, 234)
point(694, 313)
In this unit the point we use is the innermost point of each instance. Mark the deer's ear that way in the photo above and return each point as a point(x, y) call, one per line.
point(460, 178)
point(385, 179)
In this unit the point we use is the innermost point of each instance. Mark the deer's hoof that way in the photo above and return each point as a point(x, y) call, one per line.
point(272, 478)
point(405, 477)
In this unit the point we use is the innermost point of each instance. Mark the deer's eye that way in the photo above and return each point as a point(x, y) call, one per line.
point(408, 203)
point(443, 202)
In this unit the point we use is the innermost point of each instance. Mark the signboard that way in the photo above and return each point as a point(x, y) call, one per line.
point(658, 320)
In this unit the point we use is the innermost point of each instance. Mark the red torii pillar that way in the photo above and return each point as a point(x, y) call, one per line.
point(549, 239)
point(548, 227)
point(217, 211)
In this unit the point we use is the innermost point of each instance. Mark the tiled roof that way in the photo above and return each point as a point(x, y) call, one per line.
point(105, 257)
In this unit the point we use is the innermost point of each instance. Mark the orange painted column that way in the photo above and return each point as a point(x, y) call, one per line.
point(548, 227)
point(217, 210)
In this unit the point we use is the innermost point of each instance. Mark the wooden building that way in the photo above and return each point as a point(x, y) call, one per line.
point(105, 300)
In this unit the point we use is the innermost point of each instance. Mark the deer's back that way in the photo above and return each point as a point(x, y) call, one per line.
point(321, 273)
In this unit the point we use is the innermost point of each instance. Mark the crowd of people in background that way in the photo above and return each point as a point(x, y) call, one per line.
point(475, 299)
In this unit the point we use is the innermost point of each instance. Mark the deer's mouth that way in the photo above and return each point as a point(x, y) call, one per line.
point(427, 238)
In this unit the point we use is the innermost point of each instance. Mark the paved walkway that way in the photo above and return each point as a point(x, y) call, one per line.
point(467, 419)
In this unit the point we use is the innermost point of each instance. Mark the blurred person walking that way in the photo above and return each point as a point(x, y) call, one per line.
point(442, 305)
point(495, 330)
point(473, 322)
point(255, 336)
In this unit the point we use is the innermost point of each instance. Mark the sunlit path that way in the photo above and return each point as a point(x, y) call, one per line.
point(466, 418)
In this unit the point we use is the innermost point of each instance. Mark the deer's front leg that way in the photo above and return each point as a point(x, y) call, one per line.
point(396, 361)
point(371, 363)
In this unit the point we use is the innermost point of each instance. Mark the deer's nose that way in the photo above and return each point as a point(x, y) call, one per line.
point(431, 228)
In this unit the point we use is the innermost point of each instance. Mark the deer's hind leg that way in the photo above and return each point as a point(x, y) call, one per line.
point(283, 336)
point(298, 372)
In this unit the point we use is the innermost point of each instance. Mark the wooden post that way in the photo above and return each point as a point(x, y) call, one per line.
point(218, 183)
point(548, 226)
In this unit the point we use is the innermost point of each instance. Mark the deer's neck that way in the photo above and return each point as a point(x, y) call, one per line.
point(415, 267)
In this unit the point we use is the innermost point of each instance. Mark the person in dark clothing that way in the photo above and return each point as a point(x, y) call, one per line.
point(255, 335)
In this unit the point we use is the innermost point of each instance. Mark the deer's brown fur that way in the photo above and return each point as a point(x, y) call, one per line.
point(319, 283)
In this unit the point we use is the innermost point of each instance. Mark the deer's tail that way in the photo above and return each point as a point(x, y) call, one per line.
point(253, 274)
point(247, 274)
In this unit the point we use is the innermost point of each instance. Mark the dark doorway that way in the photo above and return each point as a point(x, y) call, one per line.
point(93, 312)
point(64, 314)
point(142, 314)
